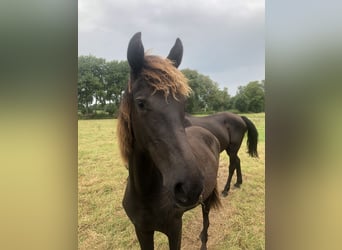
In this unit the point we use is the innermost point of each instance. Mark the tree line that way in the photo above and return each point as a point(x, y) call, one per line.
point(101, 85)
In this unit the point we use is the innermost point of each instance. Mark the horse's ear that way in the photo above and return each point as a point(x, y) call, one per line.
point(135, 53)
point(176, 53)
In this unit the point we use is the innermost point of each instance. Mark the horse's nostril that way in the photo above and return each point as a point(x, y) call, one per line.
point(180, 193)
point(188, 194)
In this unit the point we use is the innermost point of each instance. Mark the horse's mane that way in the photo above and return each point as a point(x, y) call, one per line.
point(124, 131)
point(163, 76)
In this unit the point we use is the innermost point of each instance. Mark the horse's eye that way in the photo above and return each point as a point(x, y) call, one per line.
point(141, 103)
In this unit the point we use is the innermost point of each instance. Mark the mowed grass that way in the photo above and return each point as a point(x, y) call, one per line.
point(103, 224)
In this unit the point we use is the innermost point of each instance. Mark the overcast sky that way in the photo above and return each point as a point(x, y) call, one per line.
point(223, 39)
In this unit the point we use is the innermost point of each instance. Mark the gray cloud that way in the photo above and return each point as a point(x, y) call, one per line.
point(222, 39)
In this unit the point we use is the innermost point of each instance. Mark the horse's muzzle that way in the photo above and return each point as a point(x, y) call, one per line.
point(188, 194)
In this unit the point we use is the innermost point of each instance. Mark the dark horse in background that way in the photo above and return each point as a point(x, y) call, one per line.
point(229, 129)
point(171, 168)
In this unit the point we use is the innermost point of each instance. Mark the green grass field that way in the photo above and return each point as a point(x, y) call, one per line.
point(103, 224)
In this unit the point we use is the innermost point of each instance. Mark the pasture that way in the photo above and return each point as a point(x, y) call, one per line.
point(103, 224)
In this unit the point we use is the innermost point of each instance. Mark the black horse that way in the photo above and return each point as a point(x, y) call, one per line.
point(171, 168)
point(229, 129)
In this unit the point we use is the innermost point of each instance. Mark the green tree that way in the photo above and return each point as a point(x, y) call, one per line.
point(221, 102)
point(116, 80)
point(91, 77)
point(206, 95)
point(241, 101)
point(100, 83)
point(251, 98)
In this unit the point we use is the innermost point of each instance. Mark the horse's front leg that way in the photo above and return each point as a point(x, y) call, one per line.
point(174, 234)
point(204, 233)
point(145, 239)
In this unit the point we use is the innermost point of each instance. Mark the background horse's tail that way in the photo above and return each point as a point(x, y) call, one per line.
point(215, 199)
point(252, 138)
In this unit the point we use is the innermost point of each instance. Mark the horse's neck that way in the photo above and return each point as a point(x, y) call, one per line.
point(145, 179)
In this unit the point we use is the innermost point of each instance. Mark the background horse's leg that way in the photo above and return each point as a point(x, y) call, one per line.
point(175, 234)
point(230, 175)
point(231, 170)
point(145, 239)
point(238, 172)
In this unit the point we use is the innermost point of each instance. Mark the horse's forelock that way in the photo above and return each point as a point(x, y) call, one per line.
point(162, 75)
